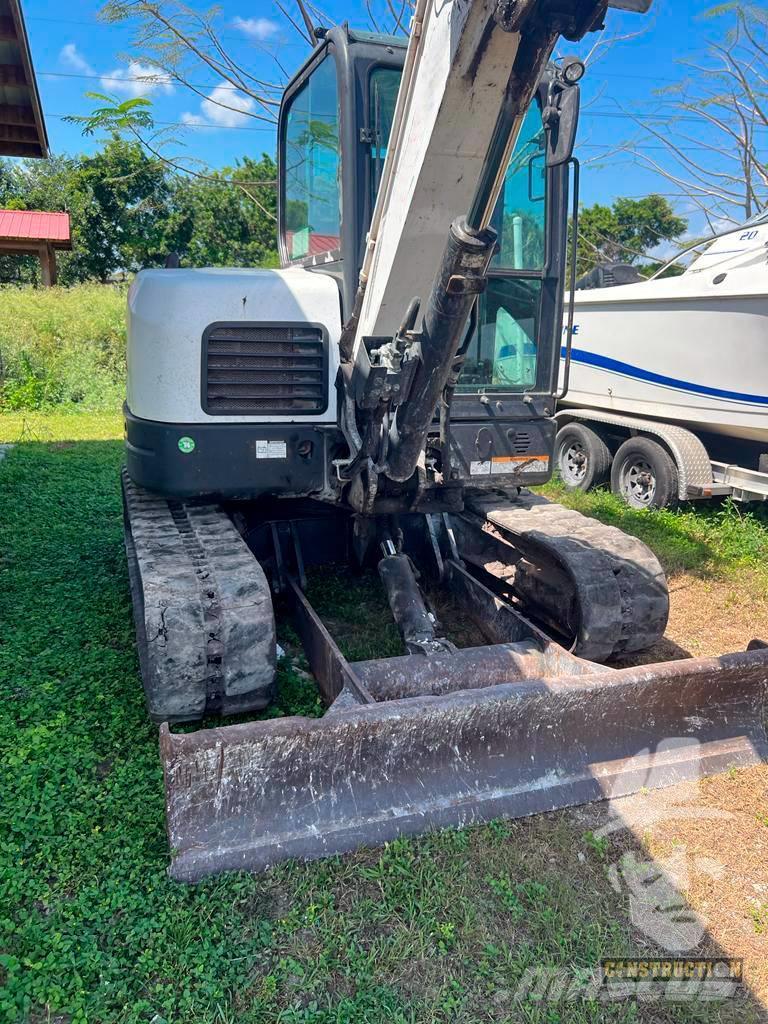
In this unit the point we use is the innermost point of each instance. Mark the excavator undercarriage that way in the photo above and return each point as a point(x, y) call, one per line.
point(441, 735)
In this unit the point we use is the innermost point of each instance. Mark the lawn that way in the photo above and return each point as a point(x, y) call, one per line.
point(62, 347)
point(442, 928)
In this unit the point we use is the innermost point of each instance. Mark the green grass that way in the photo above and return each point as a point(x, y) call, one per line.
point(91, 928)
point(62, 346)
point(723, 539)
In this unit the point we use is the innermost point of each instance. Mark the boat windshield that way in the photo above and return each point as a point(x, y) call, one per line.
point(759, 218)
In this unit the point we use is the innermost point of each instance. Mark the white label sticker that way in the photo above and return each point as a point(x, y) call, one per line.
point(508, 465)
point(271, 450)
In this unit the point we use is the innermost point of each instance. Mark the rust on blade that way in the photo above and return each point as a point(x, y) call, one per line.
point(247, 796)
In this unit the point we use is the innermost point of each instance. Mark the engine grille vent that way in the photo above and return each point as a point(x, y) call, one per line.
point(264, 369)
point(521, 443)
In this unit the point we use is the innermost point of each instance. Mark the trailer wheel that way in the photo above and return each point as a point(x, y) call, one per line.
point(644, 474)
point(582, 457)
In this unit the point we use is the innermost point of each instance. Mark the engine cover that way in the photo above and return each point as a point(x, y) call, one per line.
point(232, 346)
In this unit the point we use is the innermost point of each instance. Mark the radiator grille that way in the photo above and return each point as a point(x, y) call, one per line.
point(266, 370)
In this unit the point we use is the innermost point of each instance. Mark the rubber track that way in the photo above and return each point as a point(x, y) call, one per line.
point(202, 606)
point(620, 587)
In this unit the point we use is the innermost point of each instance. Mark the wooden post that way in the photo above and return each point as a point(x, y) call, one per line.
point(48, 265)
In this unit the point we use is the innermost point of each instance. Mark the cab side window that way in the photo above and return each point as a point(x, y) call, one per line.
point(382, 97)
point(503, 355)
point(312, 201)
point(521, 213)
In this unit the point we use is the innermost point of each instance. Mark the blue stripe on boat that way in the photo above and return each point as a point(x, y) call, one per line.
point(579, 355)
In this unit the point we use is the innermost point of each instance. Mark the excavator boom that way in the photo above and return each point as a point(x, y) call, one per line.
point(470, 74)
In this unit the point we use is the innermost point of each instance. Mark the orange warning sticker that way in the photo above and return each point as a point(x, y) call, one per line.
point(510, 464)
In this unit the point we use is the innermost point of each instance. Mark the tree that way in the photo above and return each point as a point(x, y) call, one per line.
point(119, 199)
point(713, 144)
point(173, 42)
point(625, 231)
point(128, 211)
point(116, 200)
point(213, 224)
point(176, 43)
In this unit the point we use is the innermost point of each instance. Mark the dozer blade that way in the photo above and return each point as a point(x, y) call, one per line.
point(247, 796)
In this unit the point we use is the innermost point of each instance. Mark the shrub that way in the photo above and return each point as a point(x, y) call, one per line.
point(62, 346)
point(29, 388)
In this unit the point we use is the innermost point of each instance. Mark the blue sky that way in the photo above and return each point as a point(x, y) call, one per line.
point(74, 51)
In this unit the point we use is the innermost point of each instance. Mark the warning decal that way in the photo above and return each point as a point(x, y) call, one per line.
point(271, 450)
point(510, 465)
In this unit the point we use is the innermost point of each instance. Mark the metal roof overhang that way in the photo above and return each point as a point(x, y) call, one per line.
point(22, 127)
point(32, 228)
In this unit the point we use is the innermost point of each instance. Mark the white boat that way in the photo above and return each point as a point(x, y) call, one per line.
point(691, 350)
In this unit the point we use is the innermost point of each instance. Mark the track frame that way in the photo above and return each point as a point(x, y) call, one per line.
point(438, 737)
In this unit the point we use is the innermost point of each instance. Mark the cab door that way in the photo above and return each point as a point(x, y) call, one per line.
point(310, 164)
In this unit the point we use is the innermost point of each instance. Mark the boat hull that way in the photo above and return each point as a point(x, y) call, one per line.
point(699, 359)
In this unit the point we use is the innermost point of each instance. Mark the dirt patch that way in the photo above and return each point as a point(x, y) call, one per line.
point(716, 616)
point(709, 840)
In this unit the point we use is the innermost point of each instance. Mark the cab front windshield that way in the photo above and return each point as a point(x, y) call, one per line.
point(502, 355)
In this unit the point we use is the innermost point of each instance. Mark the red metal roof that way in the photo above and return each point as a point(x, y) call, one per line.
point(323, 243)
point(36, 225)
point(317, 243)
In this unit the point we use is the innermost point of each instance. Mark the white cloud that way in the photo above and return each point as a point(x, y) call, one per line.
point(233, 114)
point(256, 28)
point(137, 80)
point(71, 56)
point(724, 224)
